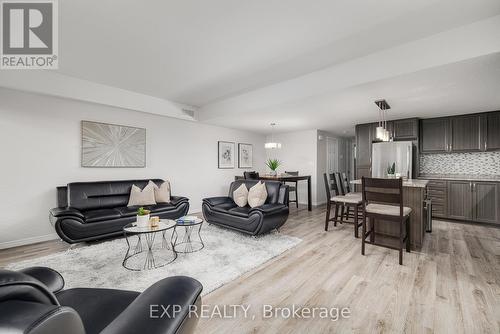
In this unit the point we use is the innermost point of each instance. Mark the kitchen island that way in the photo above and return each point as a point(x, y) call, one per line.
point(414, 193)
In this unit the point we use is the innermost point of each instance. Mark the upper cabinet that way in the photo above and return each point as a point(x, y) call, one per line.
point(466, 133)
point(405, 129)
point(434, 135)
point(492, 131)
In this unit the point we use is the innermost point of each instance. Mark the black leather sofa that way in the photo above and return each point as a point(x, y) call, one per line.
point(223, 211)
point(95, 210)
point(33, 301)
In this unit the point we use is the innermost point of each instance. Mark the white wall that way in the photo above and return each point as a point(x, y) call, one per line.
point(298, 153)
point(40, 149)
point(305, 152)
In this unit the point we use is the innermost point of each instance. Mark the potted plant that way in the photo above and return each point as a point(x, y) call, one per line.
point(391, 170)
point(273, 165)
point(143, 217)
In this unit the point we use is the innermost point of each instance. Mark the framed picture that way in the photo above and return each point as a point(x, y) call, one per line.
point(245, 155)
point(112, 146)
point(226, 154)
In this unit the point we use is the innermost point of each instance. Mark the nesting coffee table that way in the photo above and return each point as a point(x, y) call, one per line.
point(189, 242)
point(148, 254)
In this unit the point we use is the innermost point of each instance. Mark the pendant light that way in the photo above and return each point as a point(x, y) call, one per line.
point(381, 131)
point(272, 144)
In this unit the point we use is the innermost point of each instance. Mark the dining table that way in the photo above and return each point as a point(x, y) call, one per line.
point(290, 178)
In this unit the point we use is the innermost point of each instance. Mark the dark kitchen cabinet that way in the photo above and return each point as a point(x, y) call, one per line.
point(434, 135)
point(460, 200)
point(364, 137)
point(405, 129)
point(437, 191)
point(466, 133)
point(492, 131)
point(485, 202)
point(475, 201)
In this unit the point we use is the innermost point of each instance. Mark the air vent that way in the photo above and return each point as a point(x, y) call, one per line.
point(188, 112)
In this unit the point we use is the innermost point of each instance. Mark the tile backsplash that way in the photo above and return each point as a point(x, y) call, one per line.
point(477, 163)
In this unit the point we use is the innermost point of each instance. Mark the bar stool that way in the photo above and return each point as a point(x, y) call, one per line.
point(344, 189)
point(340, 201)
point(383, 199)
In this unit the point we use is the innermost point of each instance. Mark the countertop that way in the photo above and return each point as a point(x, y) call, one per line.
point(485, 178)
point(411, 183)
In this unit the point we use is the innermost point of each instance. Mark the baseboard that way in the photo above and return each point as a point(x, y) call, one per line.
point(314, 204)
point(28, 241)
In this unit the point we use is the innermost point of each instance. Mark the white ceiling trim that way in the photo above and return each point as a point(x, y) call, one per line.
point(55, 84)
point(470, 41)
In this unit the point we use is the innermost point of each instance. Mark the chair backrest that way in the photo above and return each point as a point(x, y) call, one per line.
point(28, 306)
point(103, 194)
point(327, 186)
point(346, 180)
point(334, 185)
point(292, 173)
point(382, 191)
point(340, 183)
point(251, 175)
point(331, 186)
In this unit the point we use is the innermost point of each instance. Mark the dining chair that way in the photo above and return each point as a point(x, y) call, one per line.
point(338, 201)
point(344, 189)
point(251, 175)
point(293, 188)
point(383, 199)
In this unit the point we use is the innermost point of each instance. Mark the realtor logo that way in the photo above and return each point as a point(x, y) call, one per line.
point(29, 34)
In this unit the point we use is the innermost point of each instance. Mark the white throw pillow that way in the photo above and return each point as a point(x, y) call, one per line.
point(257, 195)
point(145, 196)
point(162, 193)
point(240, 196)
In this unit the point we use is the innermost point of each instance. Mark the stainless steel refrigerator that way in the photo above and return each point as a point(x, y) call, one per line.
point(385, 154)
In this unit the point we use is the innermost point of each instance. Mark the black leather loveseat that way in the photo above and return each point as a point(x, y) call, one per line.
point(94, 210)
point(262, 219)
point(33, 301)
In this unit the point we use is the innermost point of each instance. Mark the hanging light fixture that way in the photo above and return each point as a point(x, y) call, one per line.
point(381, 132)
point(272, 144)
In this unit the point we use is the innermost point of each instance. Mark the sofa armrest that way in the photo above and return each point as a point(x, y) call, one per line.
point(267, 208)
point(284, 195)
point(66, 211)
point(213, 201)
point(175, 200)
point(49, 277)
point(145, 314)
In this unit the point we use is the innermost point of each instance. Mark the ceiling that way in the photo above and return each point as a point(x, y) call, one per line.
point(303, 64)
point(459, 88)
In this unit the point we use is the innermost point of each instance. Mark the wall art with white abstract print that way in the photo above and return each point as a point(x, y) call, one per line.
point(110, 145)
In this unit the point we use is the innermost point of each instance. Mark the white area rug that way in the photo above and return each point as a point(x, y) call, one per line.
point(226, 256)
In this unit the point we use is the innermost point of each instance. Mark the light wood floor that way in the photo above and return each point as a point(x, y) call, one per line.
point(451, 286)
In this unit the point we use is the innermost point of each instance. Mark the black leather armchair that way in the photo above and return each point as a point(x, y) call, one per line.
point(223, 211)
point(95, 210)
point(33, 301)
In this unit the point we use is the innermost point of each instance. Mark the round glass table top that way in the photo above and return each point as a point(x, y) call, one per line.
point(163, 225)
point(189, 221)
